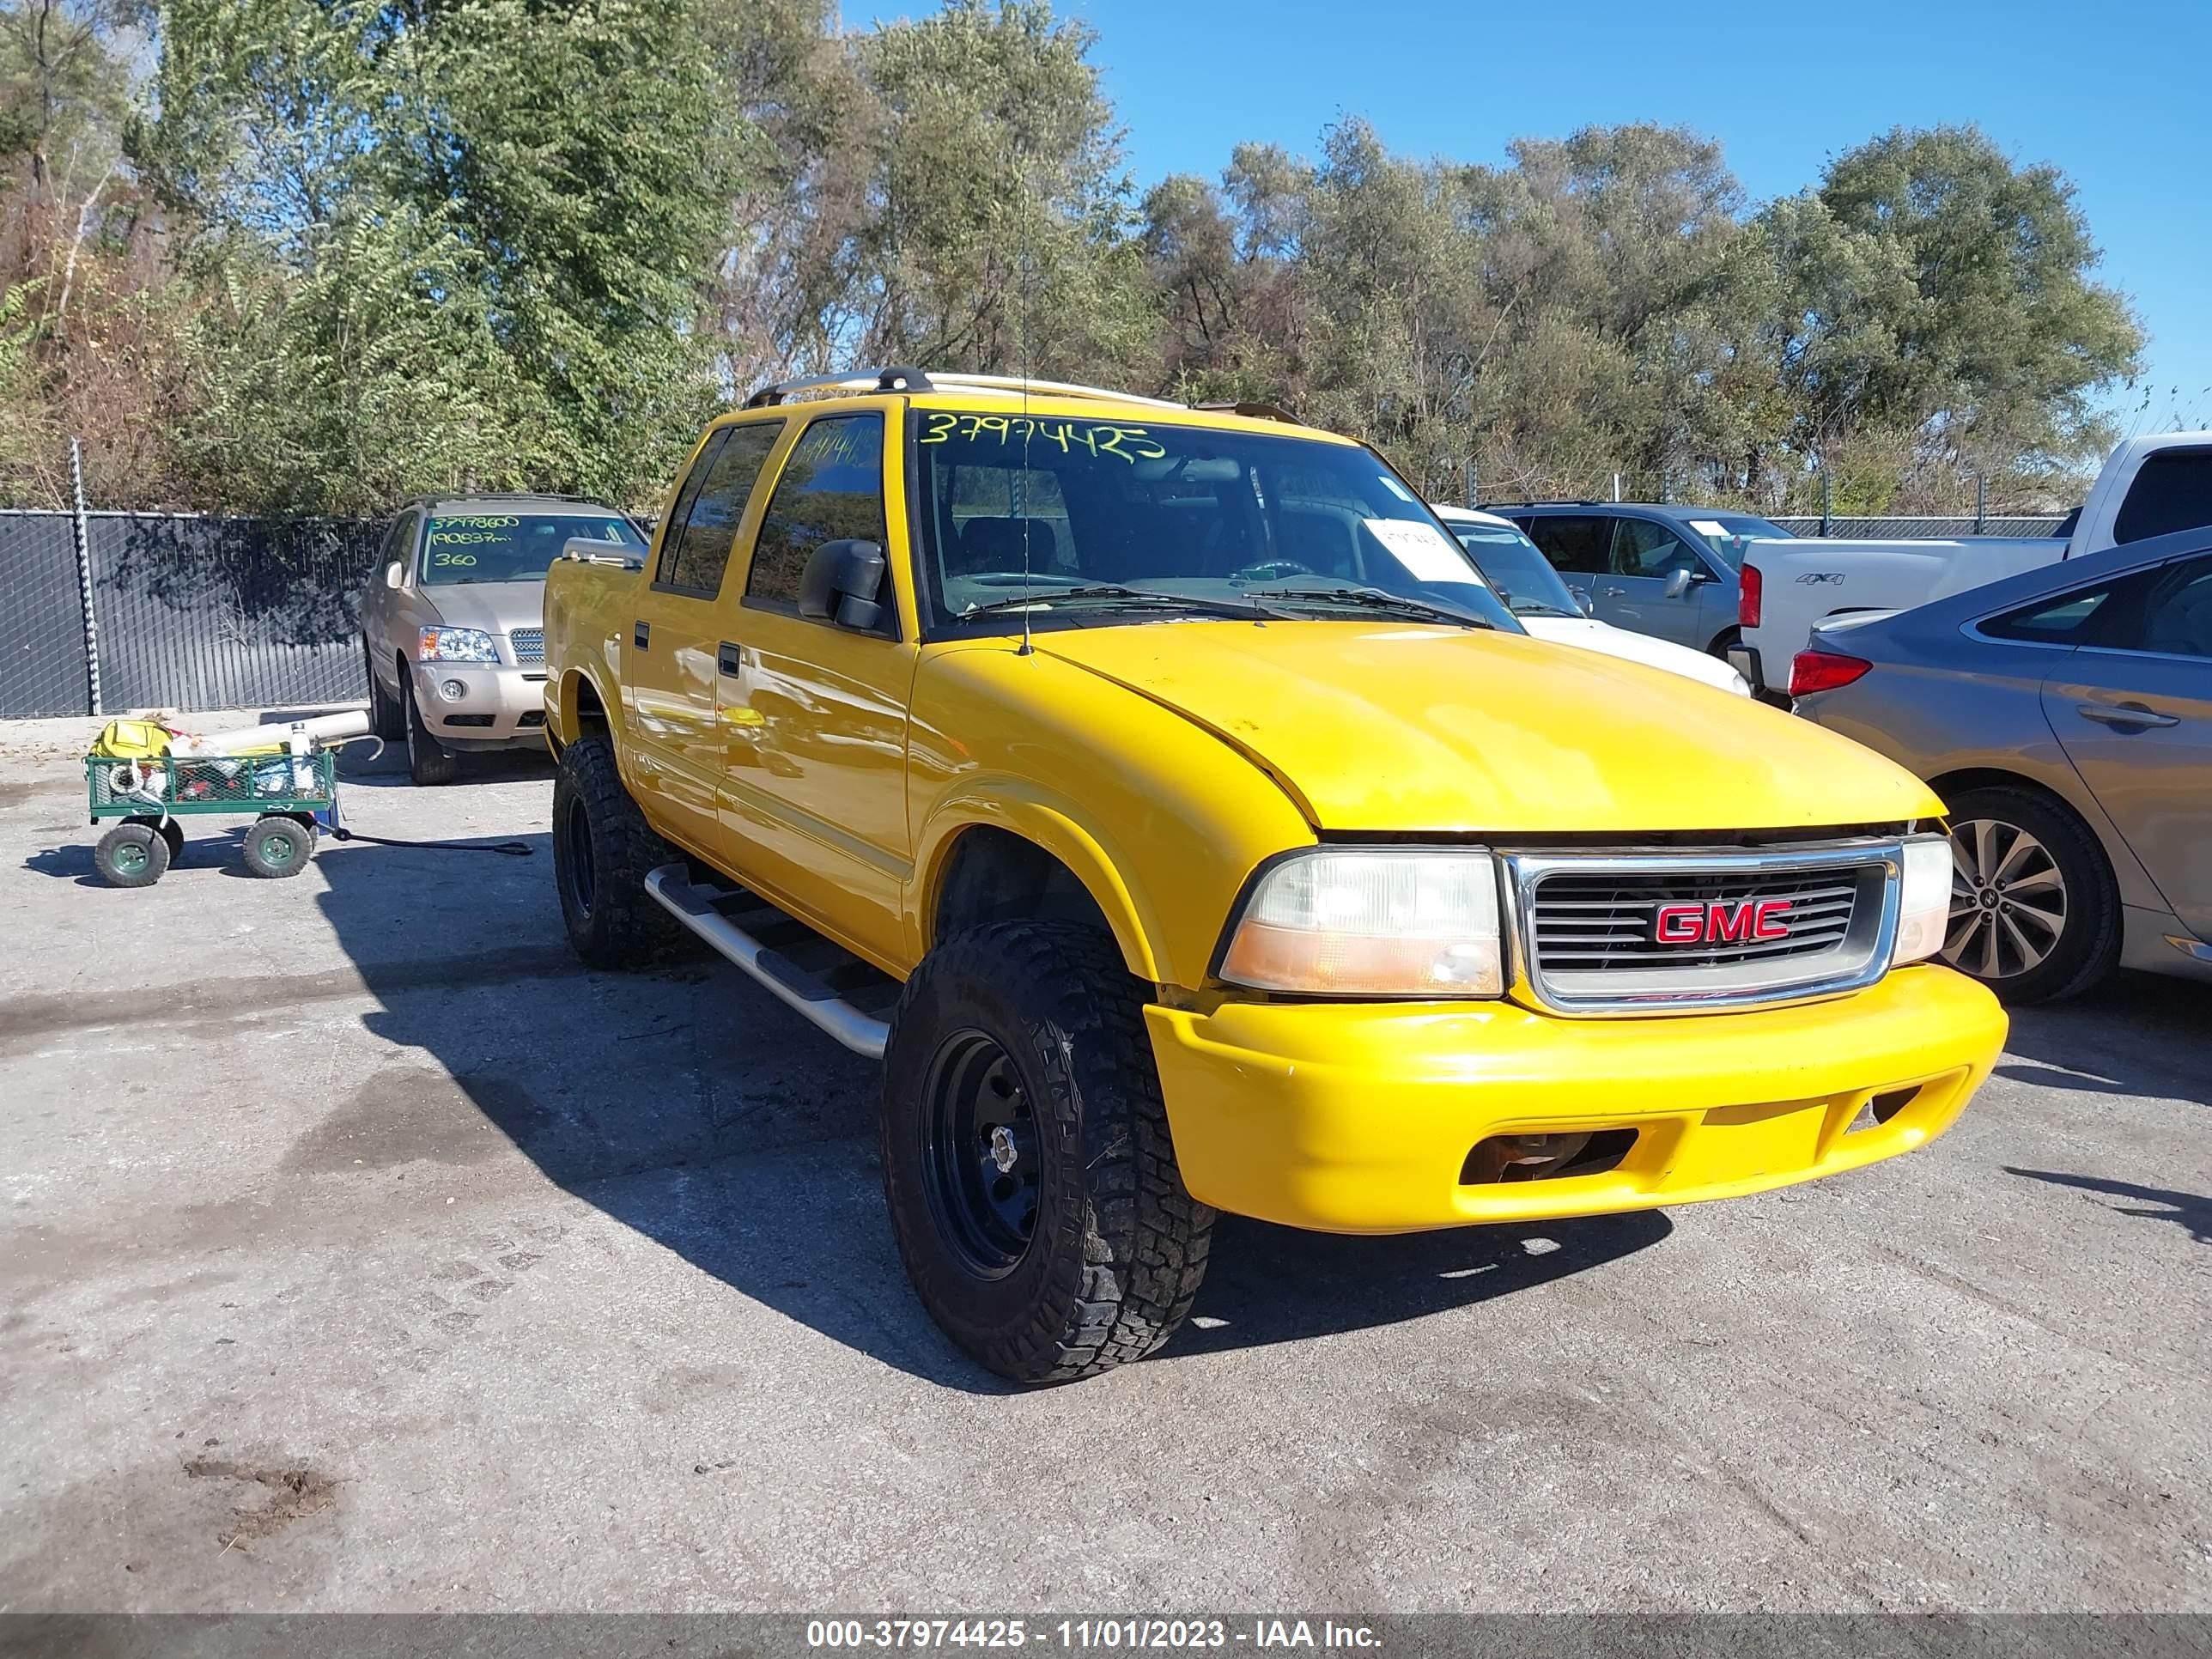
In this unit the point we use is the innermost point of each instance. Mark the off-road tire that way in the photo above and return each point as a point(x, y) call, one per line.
point(1118, 1245)
point(599, 834)
point(429, 762)
point(386, 719)
point(278, 846)
point(132, 854)
point(2088, 946)
point(170, 831)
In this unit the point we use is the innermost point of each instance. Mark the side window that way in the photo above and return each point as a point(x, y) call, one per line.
point(2172, 490)
point(1576, 542)
point(711, 505)
point(1641, 548)
point(2060, 621)
point(832, 489)
point(2175, 617)
point(398, 543)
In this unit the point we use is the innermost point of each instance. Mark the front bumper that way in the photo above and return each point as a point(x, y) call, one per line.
point(1360, 1118)
point(500, 706)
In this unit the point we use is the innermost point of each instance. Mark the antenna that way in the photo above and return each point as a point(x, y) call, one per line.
point(1029, 426)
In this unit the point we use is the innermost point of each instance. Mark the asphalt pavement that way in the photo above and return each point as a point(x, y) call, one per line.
point(361, 1251)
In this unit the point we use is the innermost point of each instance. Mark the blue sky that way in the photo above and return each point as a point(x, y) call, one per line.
point(2116, 96)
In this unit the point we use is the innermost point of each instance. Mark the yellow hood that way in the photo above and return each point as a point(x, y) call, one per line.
point(1391, 727)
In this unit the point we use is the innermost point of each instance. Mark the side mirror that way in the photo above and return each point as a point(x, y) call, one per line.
point(843, 583)
point(1583, 603)
point(1679, 582)
point(394, 574)
point(591, 549)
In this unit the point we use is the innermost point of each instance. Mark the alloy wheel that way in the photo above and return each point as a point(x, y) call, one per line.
point(2008, 900)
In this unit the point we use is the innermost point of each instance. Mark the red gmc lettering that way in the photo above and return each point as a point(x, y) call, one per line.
point(1720, 922)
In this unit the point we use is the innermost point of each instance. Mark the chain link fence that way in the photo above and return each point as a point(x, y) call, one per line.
point(185, 612)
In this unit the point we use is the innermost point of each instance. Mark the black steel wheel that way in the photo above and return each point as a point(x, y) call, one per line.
point(1027, 1161)
point(603, 850)
point(982, 1154)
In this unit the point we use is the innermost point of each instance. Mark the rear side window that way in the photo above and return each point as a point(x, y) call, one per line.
point(2062, 620)
point(2173, 490)
point(2167, 610)
point(832, 489)
point(1575, 542)
point(709, 509)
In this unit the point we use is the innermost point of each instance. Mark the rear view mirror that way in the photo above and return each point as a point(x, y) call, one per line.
point(1678, 581)
point(843, 583)
point(1586, 605)
point(394, 574)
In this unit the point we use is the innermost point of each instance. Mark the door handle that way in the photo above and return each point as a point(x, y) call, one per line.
point(2122, 714)
point(1612, 593)
point(640, 633)
point(728, 658)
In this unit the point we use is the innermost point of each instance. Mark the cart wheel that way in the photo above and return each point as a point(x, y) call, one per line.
point(131, 856)
point(278, 846)
point(172, 832)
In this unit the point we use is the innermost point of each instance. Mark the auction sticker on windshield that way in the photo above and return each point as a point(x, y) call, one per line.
point(1428, 555)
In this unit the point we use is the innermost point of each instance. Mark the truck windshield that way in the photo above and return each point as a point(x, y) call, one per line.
point(1140, 514)
point(1524, 577)
point(1726, 532)
point(513, 547)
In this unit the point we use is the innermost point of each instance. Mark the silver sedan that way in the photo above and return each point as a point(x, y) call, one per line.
point(2065, 716)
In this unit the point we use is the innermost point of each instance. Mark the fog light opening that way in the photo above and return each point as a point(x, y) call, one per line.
point(452, 690)
point(1883, 1107)
point(1502, 1159)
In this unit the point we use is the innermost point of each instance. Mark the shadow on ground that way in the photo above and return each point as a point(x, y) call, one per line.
point(689, 1105)
point(2138, 1033)
point(2183, 1209)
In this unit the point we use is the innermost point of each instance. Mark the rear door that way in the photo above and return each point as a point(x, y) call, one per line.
point(672, 675)
point(2132, 708)
point(1578, 545)
point(1644, 557)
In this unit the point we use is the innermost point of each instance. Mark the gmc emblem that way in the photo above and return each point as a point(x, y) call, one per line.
point(1721, 922)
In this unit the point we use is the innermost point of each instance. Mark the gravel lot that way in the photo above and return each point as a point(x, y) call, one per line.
point(360, 1251)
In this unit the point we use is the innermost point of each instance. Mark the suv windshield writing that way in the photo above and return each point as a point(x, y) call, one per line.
point(1141, 515)
point(513, 547)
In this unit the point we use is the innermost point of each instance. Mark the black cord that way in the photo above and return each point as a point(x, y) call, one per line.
point(514, 849)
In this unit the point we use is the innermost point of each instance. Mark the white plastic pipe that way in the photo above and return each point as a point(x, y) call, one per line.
point(322, 729)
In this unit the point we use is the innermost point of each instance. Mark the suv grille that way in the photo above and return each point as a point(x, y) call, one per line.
point(1658, 933)
point(529, 645)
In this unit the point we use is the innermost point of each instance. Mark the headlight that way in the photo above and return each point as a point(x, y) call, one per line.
point(1923, 899)
point(1383, 924)
point(457, 645)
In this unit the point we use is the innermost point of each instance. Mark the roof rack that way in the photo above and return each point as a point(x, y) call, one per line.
point(899, 379)
point(1554, 501)
point(1252, 411)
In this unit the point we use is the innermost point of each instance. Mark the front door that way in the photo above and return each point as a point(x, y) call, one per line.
point(1646, 554)
point(672, 672)
point(2133, 710)
point(815, 714)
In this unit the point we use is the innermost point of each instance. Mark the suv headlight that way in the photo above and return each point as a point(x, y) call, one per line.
point(456, 645)
point(1923, 899)
point(1346, 922)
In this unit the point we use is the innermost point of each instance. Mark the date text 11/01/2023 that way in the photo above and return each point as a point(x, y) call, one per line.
point(1104, 1635)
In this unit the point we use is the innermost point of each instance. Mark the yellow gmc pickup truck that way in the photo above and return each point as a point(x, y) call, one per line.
point(1164, 797)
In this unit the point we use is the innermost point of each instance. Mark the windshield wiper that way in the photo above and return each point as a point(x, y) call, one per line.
point(1375, 599)
point(1152, 599)
point(1538, 608)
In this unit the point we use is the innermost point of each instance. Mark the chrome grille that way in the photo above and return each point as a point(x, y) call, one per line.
point(1590, 937)
point(529, 645)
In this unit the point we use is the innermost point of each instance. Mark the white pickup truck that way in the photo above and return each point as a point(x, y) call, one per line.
point(2149, 486)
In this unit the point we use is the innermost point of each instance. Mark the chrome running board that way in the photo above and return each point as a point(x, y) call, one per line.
point(820, 994)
